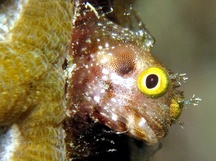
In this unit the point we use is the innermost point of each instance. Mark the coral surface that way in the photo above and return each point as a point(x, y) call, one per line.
point(32, 81)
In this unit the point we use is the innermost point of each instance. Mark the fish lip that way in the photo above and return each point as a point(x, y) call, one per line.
point(140, 129)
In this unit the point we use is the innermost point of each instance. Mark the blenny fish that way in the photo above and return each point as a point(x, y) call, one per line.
point(117, 82)
point(74, 70)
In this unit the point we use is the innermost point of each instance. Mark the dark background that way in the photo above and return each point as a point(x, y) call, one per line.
point(185, 33)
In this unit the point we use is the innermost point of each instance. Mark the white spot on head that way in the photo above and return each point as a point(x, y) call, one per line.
point(103, 61)
point(104, 77)
point(114, 117)
point(113, 100)
point(99, 24)
point(106, 44)
point(102, 91)
point(88, 40)
point(142, 122)
point(116, 79)
point(105, 115)
point(113, 109)
point(110, 54)
point(105, 71)
point(97, 99)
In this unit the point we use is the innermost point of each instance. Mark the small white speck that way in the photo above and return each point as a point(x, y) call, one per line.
point(113, 100)
point(99, 24)
point(111, 150)
point(114, 117)
point(100, 47)
point(88, 40)
point(113, 109)
point(142, 122)
point(106, 45)
point(97, 99)
point(105, 71)
point(84, 49)
point(104, 77)
point(102, 90)
point(110, 54)
point(103, 114)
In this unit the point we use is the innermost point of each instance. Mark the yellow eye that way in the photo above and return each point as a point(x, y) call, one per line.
point(153, 81)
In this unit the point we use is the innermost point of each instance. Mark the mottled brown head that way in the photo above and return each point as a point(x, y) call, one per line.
point(117, 82)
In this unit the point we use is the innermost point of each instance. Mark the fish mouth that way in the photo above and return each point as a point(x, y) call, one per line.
point(150, 122)
point(139, 128)
point(154, 123)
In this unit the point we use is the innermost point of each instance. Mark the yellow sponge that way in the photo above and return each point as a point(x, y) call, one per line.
point(32, 82)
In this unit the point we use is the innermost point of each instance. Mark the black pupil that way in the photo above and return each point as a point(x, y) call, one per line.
point(151, 81)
